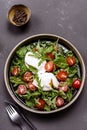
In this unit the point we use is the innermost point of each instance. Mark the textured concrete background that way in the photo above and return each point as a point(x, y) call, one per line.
point(67, 18)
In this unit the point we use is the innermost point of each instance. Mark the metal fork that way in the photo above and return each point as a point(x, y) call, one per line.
point(16, 117)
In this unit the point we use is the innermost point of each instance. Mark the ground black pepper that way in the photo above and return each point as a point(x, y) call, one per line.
point(20, 17)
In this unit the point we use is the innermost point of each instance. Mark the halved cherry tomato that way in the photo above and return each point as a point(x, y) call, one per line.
point(31, 86)
point(40, 105)
point(15, 71)
point(71, 60)
point(62, 75)
point(59, 102)
point(50, 56)
point(27, 76)
point(49, 66)
point(21, 89)
point(63, 86)
point(76, 83)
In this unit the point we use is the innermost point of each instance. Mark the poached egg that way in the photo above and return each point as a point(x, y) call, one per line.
point(48, 80)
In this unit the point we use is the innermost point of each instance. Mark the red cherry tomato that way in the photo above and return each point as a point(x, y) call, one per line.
point(59, 102)
point(15, 71)
point(40, 105)
point(31, 86)
point(71, 60)
point(62, 75)
point(63, 86)
point(76, 83)
point(50, 56)
point(27, 76)
point(21, 89)
point(49, 66)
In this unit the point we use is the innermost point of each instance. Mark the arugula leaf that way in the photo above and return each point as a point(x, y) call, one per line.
point(32, 69)
point(21, 52)
point(60, 61)
point(20, 64)
point(35, 94)
point(47, 108)
point(69, 81)
point(72, 71)
point(16, 81)
point(26, 96)
point(69, 53)
point(23, 69)
point(17, 61)
point(62, 94)
point(49, 49)
point(30, 103)
point(53, 103)
point(69, 95)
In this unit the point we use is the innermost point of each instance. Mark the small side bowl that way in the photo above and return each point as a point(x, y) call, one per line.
point(14, 10)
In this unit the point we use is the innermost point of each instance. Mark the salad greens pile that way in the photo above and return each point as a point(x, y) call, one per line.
point(58, 55)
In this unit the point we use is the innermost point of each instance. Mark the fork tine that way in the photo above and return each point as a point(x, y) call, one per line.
point(10, 110)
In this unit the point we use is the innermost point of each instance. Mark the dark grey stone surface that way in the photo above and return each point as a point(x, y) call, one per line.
point(67, 18)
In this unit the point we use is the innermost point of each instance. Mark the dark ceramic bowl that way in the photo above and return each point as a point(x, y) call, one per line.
point(32, 39)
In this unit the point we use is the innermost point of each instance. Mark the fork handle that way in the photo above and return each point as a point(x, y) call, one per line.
point(23, 127)
point(29, 123)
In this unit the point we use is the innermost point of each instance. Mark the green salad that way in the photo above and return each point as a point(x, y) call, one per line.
point(45, 75)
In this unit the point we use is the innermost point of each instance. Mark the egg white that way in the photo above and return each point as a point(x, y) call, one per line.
point(33, 61)
point(48, 80)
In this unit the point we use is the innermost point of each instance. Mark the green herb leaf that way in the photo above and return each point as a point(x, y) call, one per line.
point(21, 52)
point(62, 94)
point(47, 108)
point(69, 95)
point(30, 103)
point(60, 61)
point(32, 69)
point(72, 70)
point(16, 81)
point(69, 81)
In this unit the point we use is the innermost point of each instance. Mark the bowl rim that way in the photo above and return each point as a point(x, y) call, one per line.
point(20, 103)
point(16, 5)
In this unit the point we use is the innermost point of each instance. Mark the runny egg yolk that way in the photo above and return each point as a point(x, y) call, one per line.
point(51, 83)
